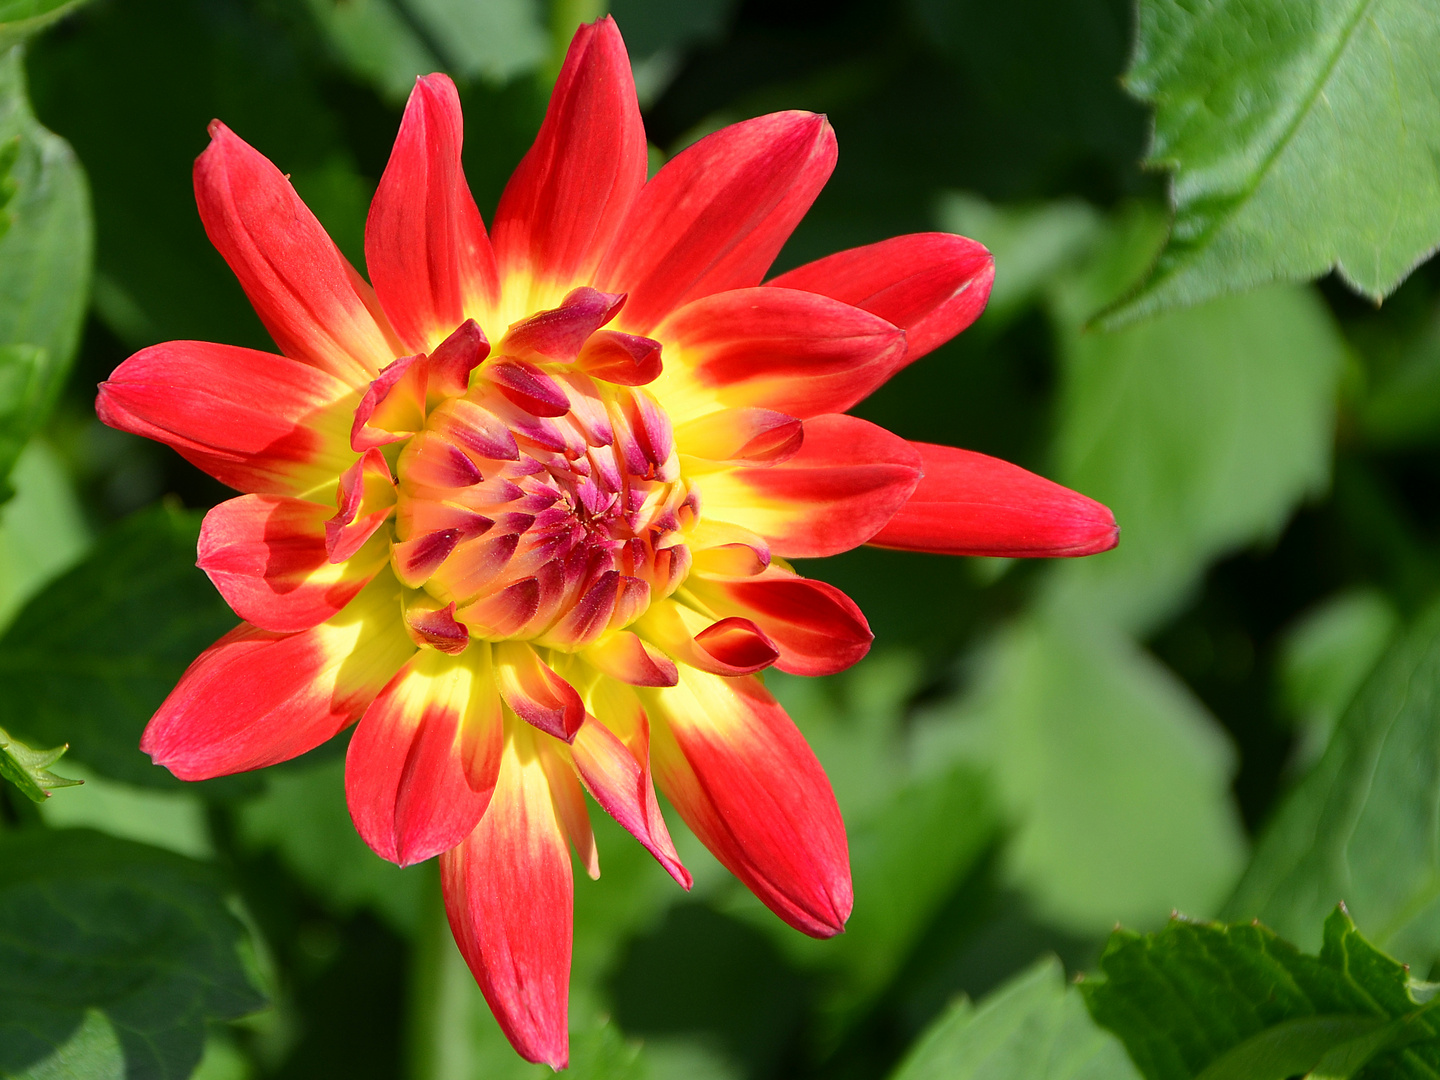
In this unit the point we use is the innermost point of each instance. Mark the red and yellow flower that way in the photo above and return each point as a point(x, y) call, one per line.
point(522, 504)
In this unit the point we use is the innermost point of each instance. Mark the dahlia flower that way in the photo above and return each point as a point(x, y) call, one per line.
point(522, 504)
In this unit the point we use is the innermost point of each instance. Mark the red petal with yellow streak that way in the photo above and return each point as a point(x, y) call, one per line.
point(817, 629)
point(422, 762)
point(256, 698)
point(316, 307)
point(267, 556)
point(509, 895)
point(781, 349)
point(425, 244)
point(253, 420)
point(716, 215)
point(931, 285)
point(746, 783)
point(566, 202)
point(973, 504)
point(848, 479)
point(535, 693)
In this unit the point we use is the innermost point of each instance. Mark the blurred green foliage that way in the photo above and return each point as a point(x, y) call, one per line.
point(1234, 713)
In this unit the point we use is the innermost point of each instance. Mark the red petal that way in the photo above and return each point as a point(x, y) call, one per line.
point(365, 497)
point(253, 420)
point(450, 364)
point(559, 333)
point(268, 558)
point(847, 481)
point(745, 781)
point(425, 245)
point(316, 307)
point(623, 359)
point(741, 437)
point(817, 629)
point(393, 406)
point(723, 647)
point(717, 214)
point(620, 783)
point(509, 895)
point(971, 504)
point(535, 693)
point(931, 285)
point(423, 760)
point(780, 349)
point(437, 628)
point(569, 799)
point(566, 202)
point(625, 657)
point(255, 698)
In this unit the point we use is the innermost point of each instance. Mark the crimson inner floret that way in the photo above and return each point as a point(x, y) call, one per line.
point(532, 498)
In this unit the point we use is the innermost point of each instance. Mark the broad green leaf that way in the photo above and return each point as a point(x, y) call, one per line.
point(1032, 1028)
point(302, 816)
point(1302, 135)
point(89, 923)
point(1324, 658)
point(91, 657)
point(29, 770)
point(1202, 430)
point(376, 42)
point(1116, 780)
point(494, 41)
point(1356, 828)
point(173, 820)
point(44, 265)
point(42, 529)
point(19, 19)
point(92, 1052)
point(1239, 1003)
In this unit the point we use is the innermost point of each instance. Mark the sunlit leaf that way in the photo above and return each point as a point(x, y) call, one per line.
point(1115, 777)
point(1202, 430)
point(1355, 829)
point(90, 658)
point(91, 925)
point(495, 41)
point(44, 262)
point(376, 42)
point(1239, 1003)
point(1302, 135)
point(1032, 1028)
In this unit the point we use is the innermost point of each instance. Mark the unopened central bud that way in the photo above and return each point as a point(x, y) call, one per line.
point(543, 503)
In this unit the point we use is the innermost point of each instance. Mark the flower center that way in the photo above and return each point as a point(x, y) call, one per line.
point(535, 498)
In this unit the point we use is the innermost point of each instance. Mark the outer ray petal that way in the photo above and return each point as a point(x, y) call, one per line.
point(972, 504)
point(725, 647)
point(423, 761)
point(316, 307)
point(509, 894)
point(744, 780)
point(848, 479)
point(256, 698)
point(535, 693)
point(817, 629)
point(612, 754)
point(716, 215)
point(569, 799)
point(794, 352)
point(267, 556)
point(425, 244)
point(931, 285)
point(568, 198)
point(253, 420)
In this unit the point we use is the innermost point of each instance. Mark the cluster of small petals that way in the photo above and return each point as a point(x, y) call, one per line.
point(524, 509)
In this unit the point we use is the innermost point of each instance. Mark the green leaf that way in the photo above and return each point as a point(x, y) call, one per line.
point(302, 816)
point(1355, 828)
point(1202, 429)
point(19, 19)
point(376, 42)
point(1239, 1003)
point(44, 264)
point(494, 41)
point(1032, 1028)
point(90, 924)
point(1116, 780)
point(29, 770)
point(1302, 134)
point(1324, 658)
point(91, 657)
point(42, 529)
point(173, 820)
